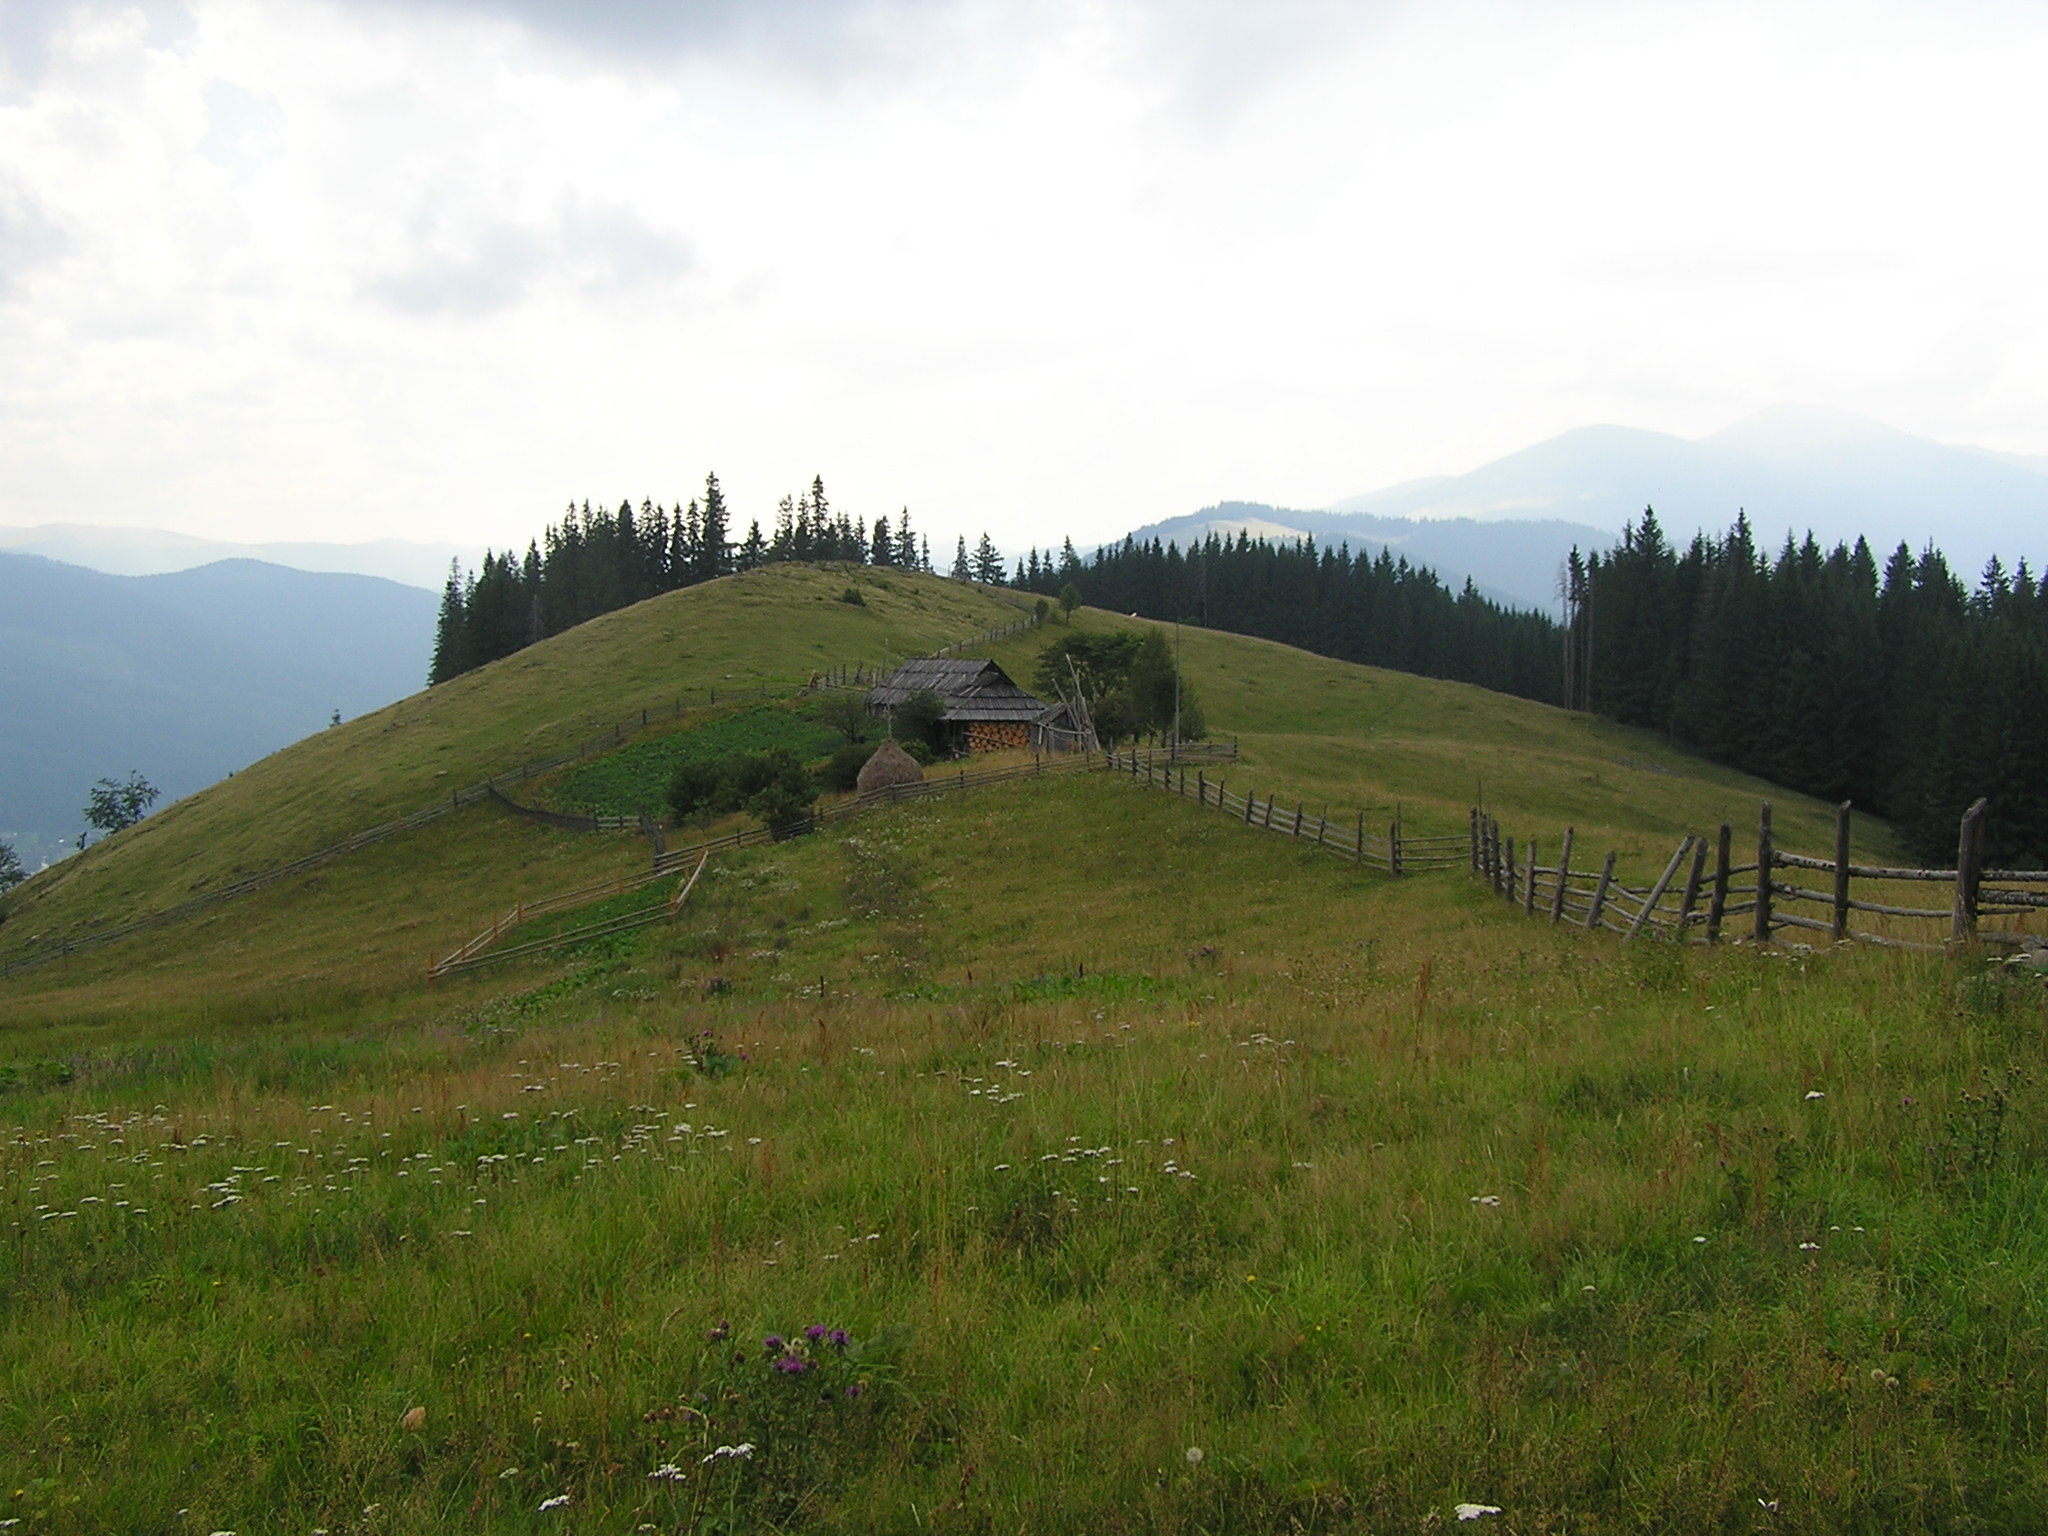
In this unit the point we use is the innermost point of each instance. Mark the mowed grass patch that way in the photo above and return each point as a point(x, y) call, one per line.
point(1108, 1132)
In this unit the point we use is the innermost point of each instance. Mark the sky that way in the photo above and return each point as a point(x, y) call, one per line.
point(431, 269)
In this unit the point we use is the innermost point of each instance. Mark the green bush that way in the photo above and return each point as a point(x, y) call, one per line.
point(841, 771)
point(921, 718)
point(695, 790)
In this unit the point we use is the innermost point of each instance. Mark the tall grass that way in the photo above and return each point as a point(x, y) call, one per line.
point(1164, 1178)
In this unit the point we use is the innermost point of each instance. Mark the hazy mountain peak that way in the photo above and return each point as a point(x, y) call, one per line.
point(1781, 430)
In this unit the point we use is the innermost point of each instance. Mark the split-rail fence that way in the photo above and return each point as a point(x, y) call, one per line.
point(1695, 900)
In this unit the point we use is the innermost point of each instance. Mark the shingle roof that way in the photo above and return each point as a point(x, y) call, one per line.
point(972, 689)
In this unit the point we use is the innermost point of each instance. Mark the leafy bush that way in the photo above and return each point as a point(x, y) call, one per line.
point(695, 790)
point(852, 595)
point(777, 790)
point(921, 717)
point(841, 771)
point(639, 774)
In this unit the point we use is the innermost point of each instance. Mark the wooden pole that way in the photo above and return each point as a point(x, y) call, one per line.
point(1840, 926)
point(1358, 853)
point(1394, 844)
point(1692, 885)
point(1600, 893)
point(1529, 880)
point(1508, 869)
point(1474, 820)
point(1201, 787)
point(1250, 800)
point(1656, 895)
point(1297, 819)
point(1765, 854)
point(1969, 871)
point(1717, 904)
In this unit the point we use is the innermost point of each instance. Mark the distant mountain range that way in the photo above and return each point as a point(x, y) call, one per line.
point(1509, 523)
point(158, 551)
point(183, 677)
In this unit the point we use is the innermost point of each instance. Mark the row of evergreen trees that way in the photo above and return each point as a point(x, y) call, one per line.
point(1375, 609)
point(592, 562)
point(1900, 688)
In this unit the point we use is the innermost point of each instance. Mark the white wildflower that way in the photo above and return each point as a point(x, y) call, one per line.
point(1194, 1455)
point(556, 1502)
point(1486, 1199)
point(1475, 1511)
point(668, 1471)
point(738, 1452)
point(1814, 1093)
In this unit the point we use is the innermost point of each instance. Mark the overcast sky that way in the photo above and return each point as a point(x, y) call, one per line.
point(431, 268)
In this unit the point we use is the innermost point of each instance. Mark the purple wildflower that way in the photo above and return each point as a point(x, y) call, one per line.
point(854, 1390)
point(794, 1365)
point(839, 1338)
point(723, 1330)
point(815, 1332)
point(774, 1342)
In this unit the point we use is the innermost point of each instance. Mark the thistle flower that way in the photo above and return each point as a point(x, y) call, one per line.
point(722, 1331)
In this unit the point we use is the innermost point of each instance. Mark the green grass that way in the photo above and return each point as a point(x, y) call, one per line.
point(1107, 1128)
point(636, 777)
point(774, 626)
point(944, 1084)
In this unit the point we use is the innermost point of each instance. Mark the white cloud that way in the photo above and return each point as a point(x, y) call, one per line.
point(350, 270)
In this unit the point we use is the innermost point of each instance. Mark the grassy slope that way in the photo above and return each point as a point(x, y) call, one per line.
point(772, 626)
point(1327, 1310)
point(1362, 738)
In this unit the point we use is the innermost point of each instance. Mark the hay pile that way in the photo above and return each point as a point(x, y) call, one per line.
point(889, 766)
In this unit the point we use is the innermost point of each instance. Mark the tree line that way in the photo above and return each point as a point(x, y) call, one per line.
point(1376, 609)
point(597, 560)
point(1897, 687)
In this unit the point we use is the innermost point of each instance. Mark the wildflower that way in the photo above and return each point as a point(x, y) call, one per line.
point(1194, 1454)
point(1809, 1247)
point(556, 1502)
point(738, 1452)
point(1475, 1511)
point(1699, 1239)
point(792, 1365)
point(854, 1390)
point(668, 1471)
point(774, 1342)
point(838, 1338)
point(1814, 1093)
point(815, 1332)
point(1486, 1199)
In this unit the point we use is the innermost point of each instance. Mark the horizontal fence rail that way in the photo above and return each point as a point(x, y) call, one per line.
point(1693, 900)
point(604, 741)
point(1181, 772)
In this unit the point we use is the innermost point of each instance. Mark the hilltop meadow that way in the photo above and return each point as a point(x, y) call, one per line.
point(1054, 1156)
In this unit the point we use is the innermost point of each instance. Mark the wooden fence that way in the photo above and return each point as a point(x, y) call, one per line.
point(1397, 851)
point(478, 950)
point(1749, 900)
point(604, 741)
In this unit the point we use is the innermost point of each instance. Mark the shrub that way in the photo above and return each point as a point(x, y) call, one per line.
point(841, 771)
point(921, 718)
point(694, 790)
point(852, 595)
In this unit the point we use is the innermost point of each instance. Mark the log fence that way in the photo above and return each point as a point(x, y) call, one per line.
point(1795, 892)
point(1397, 853)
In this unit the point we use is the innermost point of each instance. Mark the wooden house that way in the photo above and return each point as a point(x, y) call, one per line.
point(985, 710)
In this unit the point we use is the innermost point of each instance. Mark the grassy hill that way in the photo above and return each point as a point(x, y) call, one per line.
point(772, 627)
point(1162, 1176)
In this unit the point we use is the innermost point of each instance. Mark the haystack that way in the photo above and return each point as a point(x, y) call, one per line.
point(889, 766)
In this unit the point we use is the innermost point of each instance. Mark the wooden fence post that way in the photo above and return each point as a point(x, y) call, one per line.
point(1969, 871)
point(1692, 886)
point(1840, 926)
point(1657, 891)
point(1394, 844)
point(1717, 904)
point(1529, 881)
point(1201, 787)
point(1474, 819)
point(1508, 869)
point(1323, 825)
point(1297, 820)
point(1250, 800)
point(1600, 893)
point(1765, 853)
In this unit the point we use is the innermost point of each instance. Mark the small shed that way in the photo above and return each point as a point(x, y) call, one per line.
point(985, 710)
